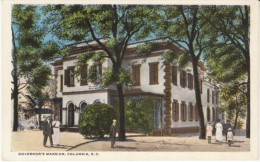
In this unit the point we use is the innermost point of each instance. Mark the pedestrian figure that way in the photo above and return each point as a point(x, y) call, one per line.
point(230, 136)
point(47, 131)
point(227, 126)
point(56, 131)
point(219, 129)
point(113, 134)
point(36, 124)
point(209, 129)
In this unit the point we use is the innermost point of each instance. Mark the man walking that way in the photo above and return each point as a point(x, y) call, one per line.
point(113, 133)
point(47, 131)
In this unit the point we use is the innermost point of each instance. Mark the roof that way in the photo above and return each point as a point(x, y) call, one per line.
point(81, 47)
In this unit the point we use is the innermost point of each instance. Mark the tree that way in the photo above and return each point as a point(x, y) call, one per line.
point(186, 25)
point(233, 24)
point(233, 101)
point(29, 55)
point(112, 27)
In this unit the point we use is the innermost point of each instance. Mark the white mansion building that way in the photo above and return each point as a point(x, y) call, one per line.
point(176, 112)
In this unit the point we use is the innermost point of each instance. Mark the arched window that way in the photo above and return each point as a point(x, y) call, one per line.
point(208, 114)
point(83, 107)
point(70, 115)
point(97, 101)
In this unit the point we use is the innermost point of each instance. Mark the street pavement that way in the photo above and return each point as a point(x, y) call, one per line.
point(32, 140)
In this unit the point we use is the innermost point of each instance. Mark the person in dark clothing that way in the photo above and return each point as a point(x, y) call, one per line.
point(227, 126)
point(47, 131)
point(113, 134)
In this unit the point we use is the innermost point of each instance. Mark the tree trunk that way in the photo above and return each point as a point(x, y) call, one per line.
point(202, 133)
point(236, 117)
point(15, 93)
point(248, 102)
point(15, 106)
point(121, 133)
point(15, 83)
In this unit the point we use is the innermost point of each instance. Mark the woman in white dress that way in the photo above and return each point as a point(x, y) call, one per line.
point(56, 131)
point(219, 129)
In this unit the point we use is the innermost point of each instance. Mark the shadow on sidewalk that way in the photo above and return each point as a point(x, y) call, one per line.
point(82, 144)
point(123, 147)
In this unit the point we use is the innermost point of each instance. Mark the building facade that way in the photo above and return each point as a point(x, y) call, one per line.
point(153, 77)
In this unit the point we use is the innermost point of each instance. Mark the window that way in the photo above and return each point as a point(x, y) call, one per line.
point(208, 95)
point(190, 111)
point(69, 76)
point(183, 81)
point(213, 114)
point(61, 83)
point(190, 81)
point(136, 74)
point(153, 73)
point(196, 112)
point(217, 113)
point(183, 111)
point(208, 114)
point(83, 107)
point(175, 110)
point(84, 75)
point(213, 96)
point(96, 73)
point(174, 75)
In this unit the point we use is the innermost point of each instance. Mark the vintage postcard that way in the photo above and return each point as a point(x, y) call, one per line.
point(120, 80)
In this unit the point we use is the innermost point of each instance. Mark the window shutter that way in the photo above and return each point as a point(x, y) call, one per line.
point(61, 83)
point(151, 74)
point(182, 111)
point(174, 75)
point(84, 75)
point(173, 111)
point(177, 111)
point(67, 77)
point(208, 95)
point(213, 95)
point(208, 114)
point(191, 81)
point(136, 75)
point(185, 112)
point(155, 73)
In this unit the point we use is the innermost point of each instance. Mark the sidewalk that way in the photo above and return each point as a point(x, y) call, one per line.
point(32, 140)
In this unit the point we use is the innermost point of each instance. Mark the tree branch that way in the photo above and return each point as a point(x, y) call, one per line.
point(23, 86)
point(101, 44)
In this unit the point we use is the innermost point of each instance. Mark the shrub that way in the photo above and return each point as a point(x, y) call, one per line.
point(96, 120)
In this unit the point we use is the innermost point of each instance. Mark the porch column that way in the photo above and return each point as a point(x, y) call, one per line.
point(167, 99)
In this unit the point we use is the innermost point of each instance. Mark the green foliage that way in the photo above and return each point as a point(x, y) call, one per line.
point(108, 77)
point(125, 78)
point(144, 49)
point(140, 114)
point(30, 53)
point(96, 120)
point(170, 56)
